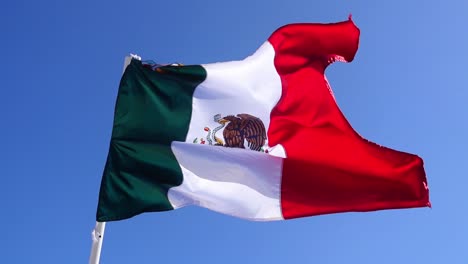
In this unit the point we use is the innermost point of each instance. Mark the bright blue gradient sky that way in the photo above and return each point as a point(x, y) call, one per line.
point(62, 61)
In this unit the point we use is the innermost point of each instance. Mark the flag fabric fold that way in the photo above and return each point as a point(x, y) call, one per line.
point(260, 139)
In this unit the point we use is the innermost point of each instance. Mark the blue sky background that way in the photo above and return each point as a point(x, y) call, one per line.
point(62, 62)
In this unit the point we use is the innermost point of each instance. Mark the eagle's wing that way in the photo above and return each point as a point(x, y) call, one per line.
point(253, 130)
point(246, 116)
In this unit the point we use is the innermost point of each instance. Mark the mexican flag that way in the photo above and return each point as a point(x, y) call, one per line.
point(260, 139)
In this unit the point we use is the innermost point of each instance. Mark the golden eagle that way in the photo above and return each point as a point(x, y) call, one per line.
point(243, 127)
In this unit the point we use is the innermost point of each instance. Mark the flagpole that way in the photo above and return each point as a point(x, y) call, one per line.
point(98, 237)
point(98, 231)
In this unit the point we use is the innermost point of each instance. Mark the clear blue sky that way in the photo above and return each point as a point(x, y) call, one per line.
point(62, 61)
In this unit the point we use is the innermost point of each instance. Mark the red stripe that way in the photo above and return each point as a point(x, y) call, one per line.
point(329, 168)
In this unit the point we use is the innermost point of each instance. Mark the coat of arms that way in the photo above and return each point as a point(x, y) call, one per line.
point(240, 131)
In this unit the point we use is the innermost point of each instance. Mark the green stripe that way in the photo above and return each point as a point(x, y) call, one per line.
point(152, 110)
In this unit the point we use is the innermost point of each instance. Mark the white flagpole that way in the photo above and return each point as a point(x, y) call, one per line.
point(97, 236)
point(98, 231)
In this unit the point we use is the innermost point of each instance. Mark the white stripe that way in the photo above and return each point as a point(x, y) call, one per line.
point(237, 182)
point(250, 86)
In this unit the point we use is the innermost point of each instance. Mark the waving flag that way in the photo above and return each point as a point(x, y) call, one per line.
point(259, 139)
